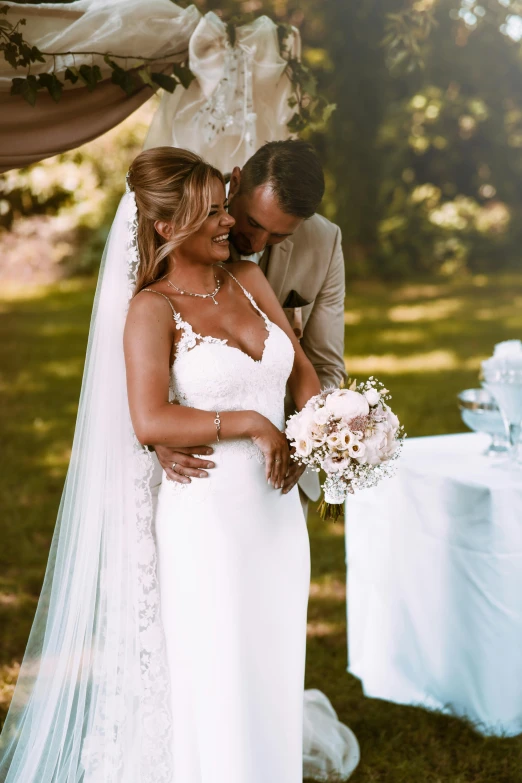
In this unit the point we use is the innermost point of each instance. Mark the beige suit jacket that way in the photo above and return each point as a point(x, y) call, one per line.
point(311, 263)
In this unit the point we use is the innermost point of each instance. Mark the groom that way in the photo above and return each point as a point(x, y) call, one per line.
point(273, 199)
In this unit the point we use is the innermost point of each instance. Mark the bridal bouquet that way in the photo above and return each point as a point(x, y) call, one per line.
point(352, 434)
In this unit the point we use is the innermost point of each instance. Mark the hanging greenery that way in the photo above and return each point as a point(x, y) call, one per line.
point(312, 110)
point(406, 34)
point(20, 54)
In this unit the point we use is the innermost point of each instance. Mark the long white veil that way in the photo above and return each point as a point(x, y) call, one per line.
point(92, 694)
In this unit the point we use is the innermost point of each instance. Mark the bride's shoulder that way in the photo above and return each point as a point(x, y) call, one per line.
point(244, 270)
point(151, 301)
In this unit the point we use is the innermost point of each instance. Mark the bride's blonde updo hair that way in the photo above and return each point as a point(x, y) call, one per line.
point(170, 184)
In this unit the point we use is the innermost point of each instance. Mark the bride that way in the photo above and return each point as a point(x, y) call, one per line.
point(234, 561)
point(169, 642)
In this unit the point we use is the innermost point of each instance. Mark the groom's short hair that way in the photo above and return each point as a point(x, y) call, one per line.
point(293, 171)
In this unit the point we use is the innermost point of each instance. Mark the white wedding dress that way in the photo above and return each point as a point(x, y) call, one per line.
point(234, 574)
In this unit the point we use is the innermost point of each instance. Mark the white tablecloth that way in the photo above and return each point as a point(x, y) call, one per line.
point(434, 567)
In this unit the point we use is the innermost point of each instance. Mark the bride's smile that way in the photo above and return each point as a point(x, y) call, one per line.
point(207, 245)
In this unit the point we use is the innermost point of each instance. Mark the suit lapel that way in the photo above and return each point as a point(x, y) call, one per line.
point(278, 266)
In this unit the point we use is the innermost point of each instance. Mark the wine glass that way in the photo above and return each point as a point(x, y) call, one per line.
point(481, 413)
point(504, 381)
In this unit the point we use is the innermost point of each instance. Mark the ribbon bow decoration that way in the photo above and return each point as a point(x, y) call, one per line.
point(238, 100)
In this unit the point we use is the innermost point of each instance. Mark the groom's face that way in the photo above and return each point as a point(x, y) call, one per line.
point(260, 222)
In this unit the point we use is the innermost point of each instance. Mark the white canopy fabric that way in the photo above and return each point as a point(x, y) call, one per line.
point(157, 28)
point(214, 117)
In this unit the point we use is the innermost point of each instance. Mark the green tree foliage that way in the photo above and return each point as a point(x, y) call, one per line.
point(423, 154)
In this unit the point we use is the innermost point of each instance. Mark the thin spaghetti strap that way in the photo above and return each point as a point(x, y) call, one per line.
point(175, 314)
point(246, 293)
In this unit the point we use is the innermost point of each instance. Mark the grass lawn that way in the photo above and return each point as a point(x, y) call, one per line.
point(424, 341)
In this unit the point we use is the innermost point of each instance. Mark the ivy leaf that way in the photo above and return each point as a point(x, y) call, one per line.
point(127, 80)
point(283, 31)
point(11, 55)
point(164, 81)
point(71, 74)
point(308, 82)
point(52, 84)
point(296, 124)
point(36, 55)
point(25, 54)
point(183, 74)
point(114, 65)
point(328, 111)
point(144, 74)
point(4, 9)
point(27, 88)
point(90, 75)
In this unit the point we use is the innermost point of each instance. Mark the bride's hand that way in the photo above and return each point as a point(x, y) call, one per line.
point(272, 442)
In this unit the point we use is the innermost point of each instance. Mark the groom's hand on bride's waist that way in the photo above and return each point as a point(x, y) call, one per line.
point(294, 473)
point(181, 465)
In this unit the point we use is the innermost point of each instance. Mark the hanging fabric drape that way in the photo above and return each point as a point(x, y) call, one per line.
point(216, 117)
point(156, 28)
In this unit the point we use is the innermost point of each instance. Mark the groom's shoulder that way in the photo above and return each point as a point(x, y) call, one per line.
point(317, 230)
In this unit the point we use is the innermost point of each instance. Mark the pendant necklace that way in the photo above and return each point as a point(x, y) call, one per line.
point(201, 296)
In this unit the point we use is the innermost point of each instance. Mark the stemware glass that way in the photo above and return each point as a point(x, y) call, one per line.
point(504, 382)
point(481, 413)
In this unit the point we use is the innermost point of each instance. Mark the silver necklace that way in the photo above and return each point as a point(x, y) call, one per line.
point(201, 296)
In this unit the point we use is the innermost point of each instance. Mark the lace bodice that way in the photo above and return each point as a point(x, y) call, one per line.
point(209, 374)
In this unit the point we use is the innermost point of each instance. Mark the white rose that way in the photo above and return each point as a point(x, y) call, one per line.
point(303, 447)
point(317, 435)
point(299, 425)
point(391, 444)
point(334, 441)
point(346, 437)
point(375, 447)
point(335, 464)
point(372, 396)
point(321, 415)
point(347, 404)
point(392, 419)
point(293, 427)
point(357, 450)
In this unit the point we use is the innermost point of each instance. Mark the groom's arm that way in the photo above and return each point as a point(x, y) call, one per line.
point(323, 337)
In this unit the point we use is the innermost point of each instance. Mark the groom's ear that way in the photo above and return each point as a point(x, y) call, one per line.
point(235, 182)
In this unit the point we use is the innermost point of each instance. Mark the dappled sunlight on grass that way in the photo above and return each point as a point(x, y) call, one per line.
point(8, 677)
point(9, 599)
point(56, 460)
point(64, 369)
point(331, 589)
point(434, 347)
point(432, 361)
point(352, 318)
point(401, 336)
point(322, 628)
point(428, 311)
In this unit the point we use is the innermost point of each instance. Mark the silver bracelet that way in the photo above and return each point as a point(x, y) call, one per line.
point(217, 422)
